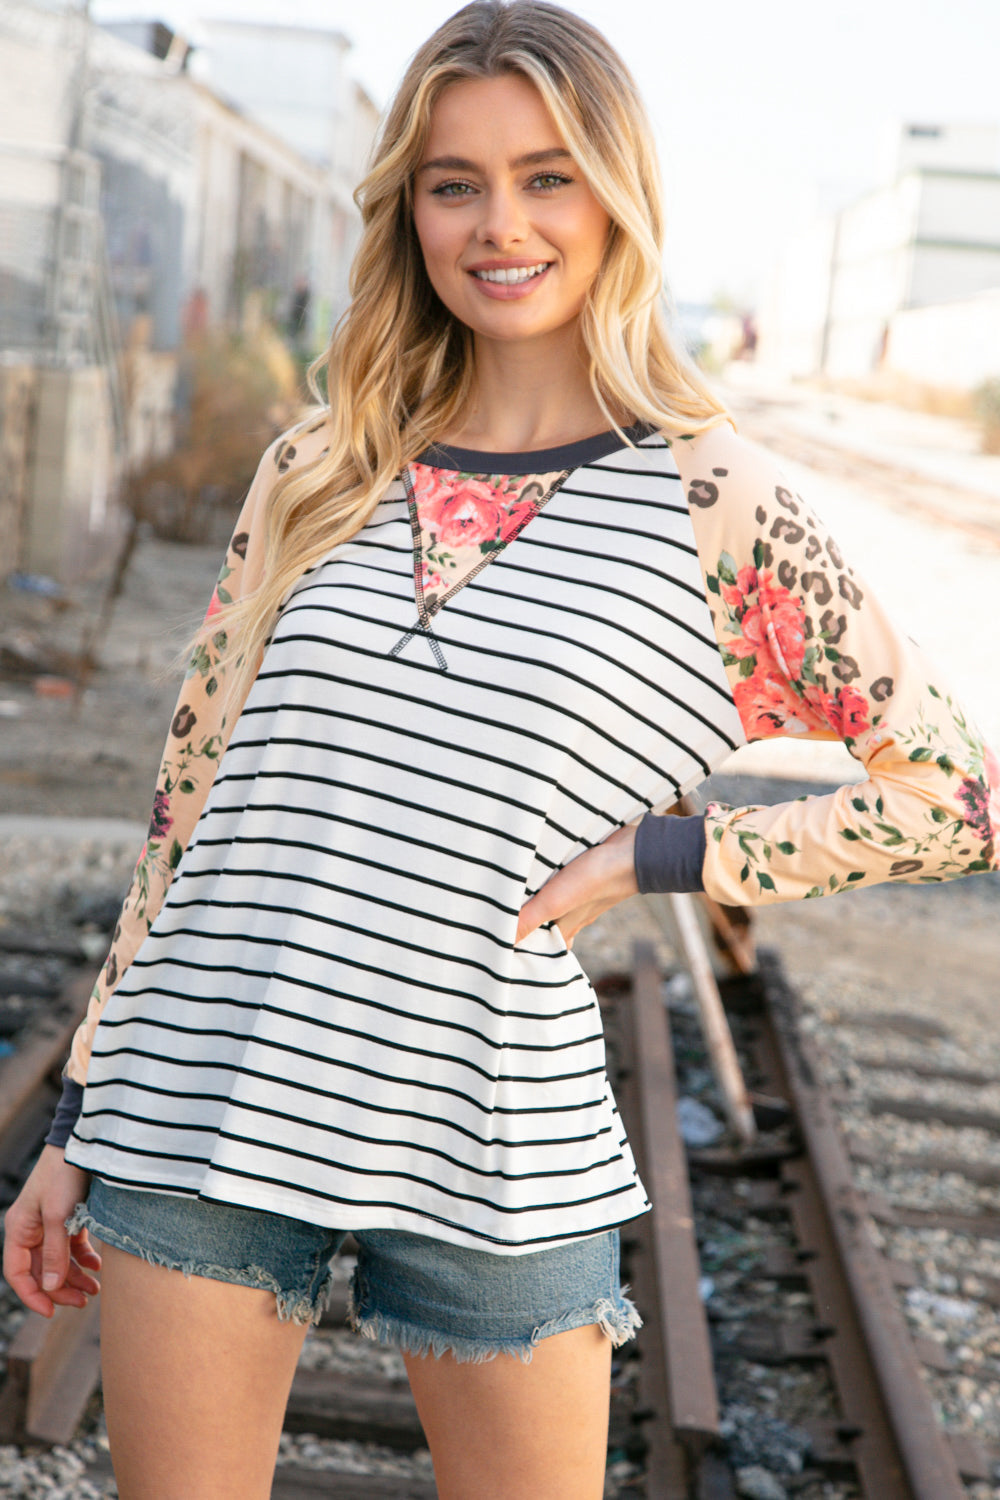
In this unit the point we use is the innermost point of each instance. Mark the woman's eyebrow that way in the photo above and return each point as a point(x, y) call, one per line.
point(530, 159)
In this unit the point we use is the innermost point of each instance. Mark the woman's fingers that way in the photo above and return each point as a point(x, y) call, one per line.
point(578, 893)
point(43, 1265)
point(83, 1251)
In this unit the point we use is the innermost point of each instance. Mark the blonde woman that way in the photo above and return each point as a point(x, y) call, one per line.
point(520, 585)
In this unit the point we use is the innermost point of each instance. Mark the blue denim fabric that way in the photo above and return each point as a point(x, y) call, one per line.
point(420, 1294)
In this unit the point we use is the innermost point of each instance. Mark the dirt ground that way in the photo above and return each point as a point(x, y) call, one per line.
point(96, 754)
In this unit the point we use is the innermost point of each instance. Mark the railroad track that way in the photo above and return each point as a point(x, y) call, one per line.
point(820, 1303)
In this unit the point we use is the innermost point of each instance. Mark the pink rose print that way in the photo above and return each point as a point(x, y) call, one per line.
point(975, 798)
point(991, 766)
point(774, 625)
point(769, 705)
point(785, 628)
point(518, 516)
point(471, 515)
point(160, 822)
point(214, 604)
point(847, 712)
point(432, 484)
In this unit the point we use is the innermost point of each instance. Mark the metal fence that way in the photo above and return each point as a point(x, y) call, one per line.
point(27, 254)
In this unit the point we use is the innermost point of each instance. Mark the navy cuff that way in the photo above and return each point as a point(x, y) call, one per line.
point(670, 853)
point(67, 1113)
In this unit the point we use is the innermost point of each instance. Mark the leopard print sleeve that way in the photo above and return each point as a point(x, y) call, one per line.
point(198, 735)
point(809, 652)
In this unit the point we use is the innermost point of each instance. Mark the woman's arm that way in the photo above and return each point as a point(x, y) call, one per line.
point(44, 1265)
point(810, 652)
point(199, 732)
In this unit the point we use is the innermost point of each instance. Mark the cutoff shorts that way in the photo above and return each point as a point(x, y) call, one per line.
point(420, 1294)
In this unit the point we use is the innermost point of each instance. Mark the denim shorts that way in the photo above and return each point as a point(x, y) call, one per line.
point(420, 1294)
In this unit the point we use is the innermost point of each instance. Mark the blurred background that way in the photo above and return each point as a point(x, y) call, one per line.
point(177, 226)
point(176, 231)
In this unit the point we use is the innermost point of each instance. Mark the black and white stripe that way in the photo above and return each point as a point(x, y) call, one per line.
point(328, 1018)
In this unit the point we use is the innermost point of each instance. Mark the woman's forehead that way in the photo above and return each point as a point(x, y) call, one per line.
point(505, 115)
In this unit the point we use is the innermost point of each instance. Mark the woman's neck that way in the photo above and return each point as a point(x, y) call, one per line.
point(526, 396)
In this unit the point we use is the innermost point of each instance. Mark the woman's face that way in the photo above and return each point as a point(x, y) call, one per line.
point(511, 234)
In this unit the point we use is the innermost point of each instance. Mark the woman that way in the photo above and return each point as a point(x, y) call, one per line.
point(518, 586)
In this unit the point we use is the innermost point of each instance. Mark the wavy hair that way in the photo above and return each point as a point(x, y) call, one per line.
point(399, 367)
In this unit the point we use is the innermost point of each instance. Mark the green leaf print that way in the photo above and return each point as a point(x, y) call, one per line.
point(176, 851)
point(727, 568)
point(922, 752)
point(764, 881)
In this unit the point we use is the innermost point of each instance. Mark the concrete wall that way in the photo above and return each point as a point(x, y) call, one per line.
point(290, 78)
point(792, 314)
point(72, 476)
point(18, 384)
point(955, 345)
point(931, 238)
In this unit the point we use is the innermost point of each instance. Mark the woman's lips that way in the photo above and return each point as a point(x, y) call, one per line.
point(507, 291)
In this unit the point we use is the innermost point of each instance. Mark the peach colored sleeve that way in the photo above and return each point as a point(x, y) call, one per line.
point(198, 735)
point(810, 652)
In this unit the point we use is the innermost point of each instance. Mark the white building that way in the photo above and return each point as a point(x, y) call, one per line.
point(136, 204)
point(282, 134)
point(930, 236)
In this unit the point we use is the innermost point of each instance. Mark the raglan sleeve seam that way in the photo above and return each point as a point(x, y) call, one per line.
point(809, 652)
point(197, 737)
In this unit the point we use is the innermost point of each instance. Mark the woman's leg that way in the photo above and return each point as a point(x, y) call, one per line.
point(196, 1378)
point(505, 1430)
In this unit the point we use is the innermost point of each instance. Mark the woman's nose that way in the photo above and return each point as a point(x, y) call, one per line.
point(503, 222)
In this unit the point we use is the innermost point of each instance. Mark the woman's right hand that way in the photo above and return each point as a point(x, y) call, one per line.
point(42, 1263)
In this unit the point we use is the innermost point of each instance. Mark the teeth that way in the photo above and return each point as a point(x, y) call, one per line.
point(512, 275)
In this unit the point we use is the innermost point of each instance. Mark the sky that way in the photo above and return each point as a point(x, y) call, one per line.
point(765, 114)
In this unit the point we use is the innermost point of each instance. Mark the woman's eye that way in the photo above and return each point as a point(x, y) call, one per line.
point(452, 189)
point(548, 181)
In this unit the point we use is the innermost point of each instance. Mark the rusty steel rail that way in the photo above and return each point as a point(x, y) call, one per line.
point(893, 1435)
point(888, 1431)
point(679, 1409)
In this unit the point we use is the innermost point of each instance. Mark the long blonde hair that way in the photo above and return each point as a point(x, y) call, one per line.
point(399, 367)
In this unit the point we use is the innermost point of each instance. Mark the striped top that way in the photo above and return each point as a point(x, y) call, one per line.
point(323, 1013)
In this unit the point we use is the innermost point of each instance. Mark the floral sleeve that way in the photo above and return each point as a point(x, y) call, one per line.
point(809, 652)
point(199, 732)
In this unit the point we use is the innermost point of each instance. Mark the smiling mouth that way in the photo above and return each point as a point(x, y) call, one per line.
point(510, 276)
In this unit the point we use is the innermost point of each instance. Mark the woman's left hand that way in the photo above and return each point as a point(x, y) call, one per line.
point(578, 893)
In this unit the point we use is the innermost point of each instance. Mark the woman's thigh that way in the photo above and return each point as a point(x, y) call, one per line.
point(204, 1307)
point(505, 1430)
point(508, 1356)
point(196, 1376)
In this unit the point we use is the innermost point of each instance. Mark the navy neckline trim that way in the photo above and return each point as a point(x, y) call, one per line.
point(540, 461)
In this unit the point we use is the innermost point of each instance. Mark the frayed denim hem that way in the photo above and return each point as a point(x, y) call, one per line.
point(619, 1322)
point(293, 1307)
